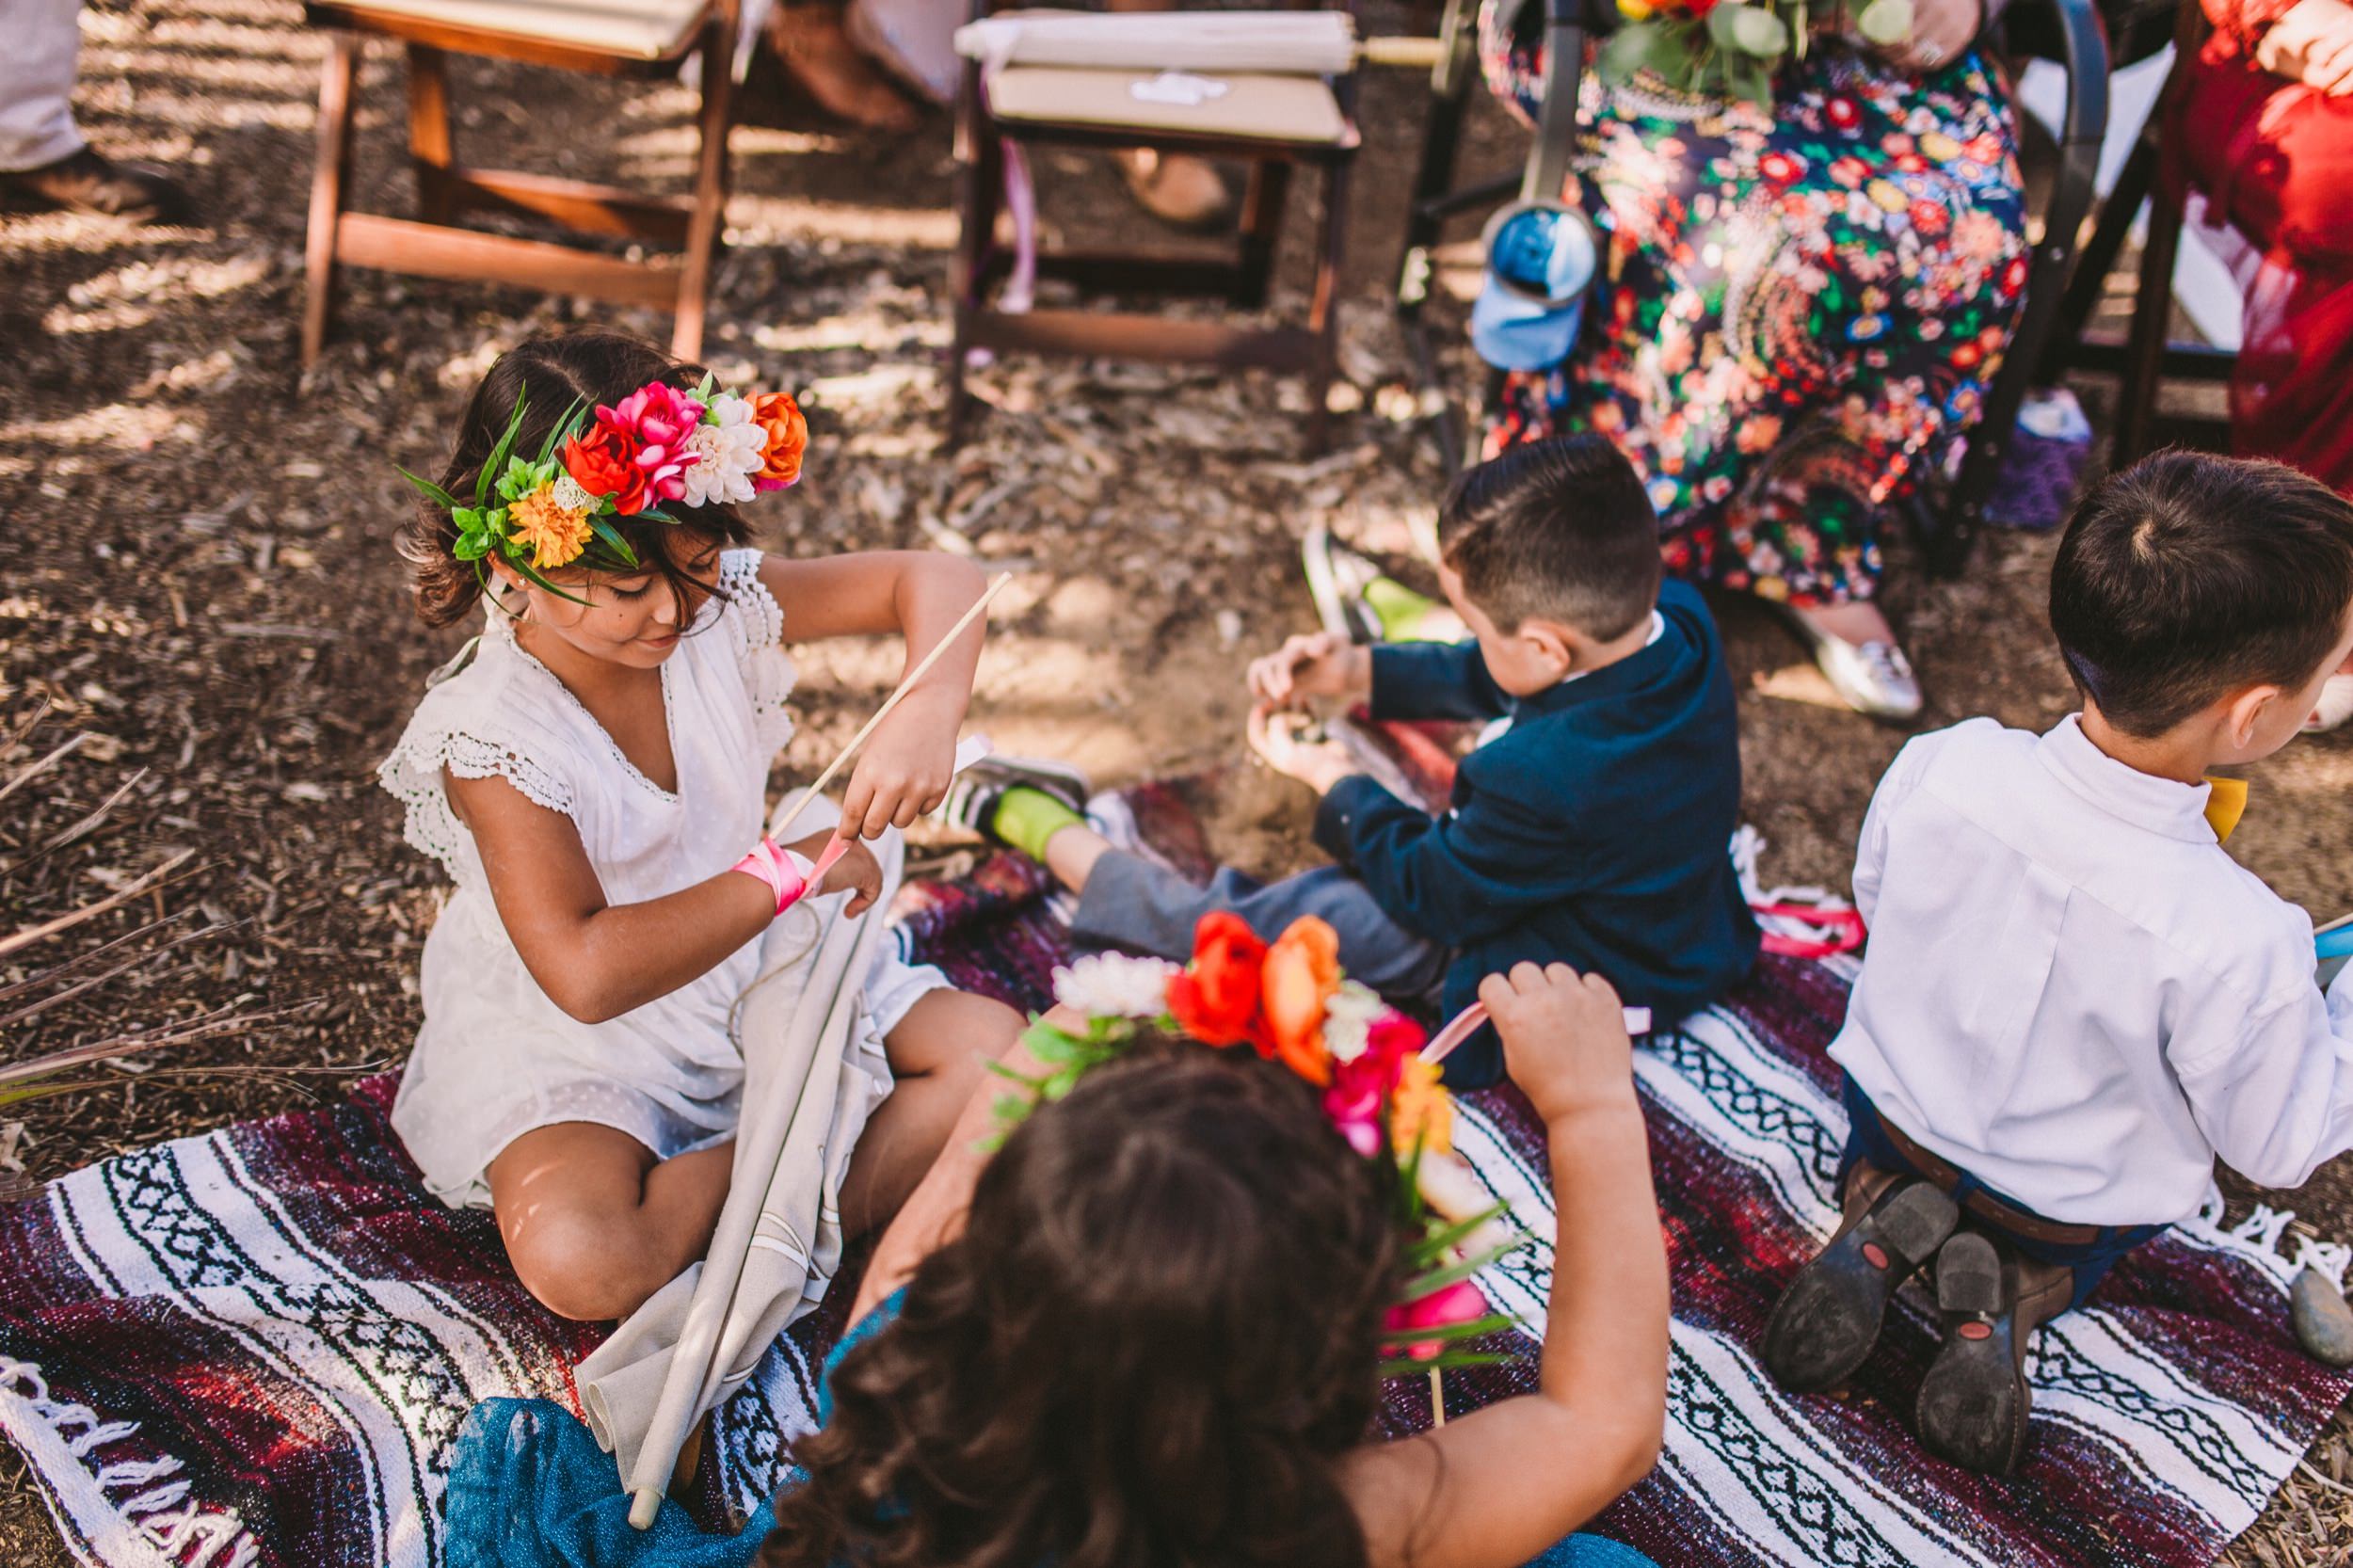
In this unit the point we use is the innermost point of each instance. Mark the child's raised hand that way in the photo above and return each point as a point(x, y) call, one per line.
point(904, 773)
point(857, 871)
point(1311, 666)
point(1564, 1039)
point(1277, 738)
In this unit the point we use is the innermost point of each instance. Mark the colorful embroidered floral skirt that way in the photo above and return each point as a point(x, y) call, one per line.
point(1800, 311)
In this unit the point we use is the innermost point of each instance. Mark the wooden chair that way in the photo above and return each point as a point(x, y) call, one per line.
point(1241, 278)
point(609, 38)
point(2148, 357)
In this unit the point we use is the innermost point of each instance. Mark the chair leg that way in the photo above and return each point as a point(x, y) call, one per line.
point(328, 183)
point(2144, 350)
point(1261, 228)
point(2100, 255)
point(980, 185)
point(1441, 140)
point(430, 149)
point(1324, 313)
point(709, 219)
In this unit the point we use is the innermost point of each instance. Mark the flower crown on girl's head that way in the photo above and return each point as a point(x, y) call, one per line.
point(658, 444)
point(1291, 1002)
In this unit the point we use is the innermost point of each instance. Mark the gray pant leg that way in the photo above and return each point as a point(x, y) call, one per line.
point(1131, 902)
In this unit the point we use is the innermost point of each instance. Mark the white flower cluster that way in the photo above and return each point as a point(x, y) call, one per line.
point(729, 447)
point(1348, 1020)
point(1114, 985)
point(569, 495)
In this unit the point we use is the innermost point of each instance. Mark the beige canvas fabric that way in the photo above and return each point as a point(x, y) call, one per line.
point(1279, 108)
point(1307, 44)
point(811, 1079)
point(632, 29)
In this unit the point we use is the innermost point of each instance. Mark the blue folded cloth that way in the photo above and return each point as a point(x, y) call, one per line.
point(531, 1489)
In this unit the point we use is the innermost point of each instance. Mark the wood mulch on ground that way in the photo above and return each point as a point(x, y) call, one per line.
point(197, 575)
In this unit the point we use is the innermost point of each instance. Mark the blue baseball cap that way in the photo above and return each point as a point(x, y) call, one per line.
point(1540, 262)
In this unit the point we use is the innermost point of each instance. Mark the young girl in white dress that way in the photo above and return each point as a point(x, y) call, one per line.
point(593, 771)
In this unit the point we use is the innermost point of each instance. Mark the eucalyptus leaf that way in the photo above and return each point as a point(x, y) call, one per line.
point(1887, 23)
point(1662, 48)
point(1753, 31)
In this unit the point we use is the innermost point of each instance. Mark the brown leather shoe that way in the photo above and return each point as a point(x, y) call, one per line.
point(1823, 1327)
point(1974, 1399)
point(90, 181)
point(1175, 188)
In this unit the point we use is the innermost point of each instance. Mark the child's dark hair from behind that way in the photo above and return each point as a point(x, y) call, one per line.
point(2188, 577)
point(1555, 530)
point(1158, 1331)
point(556, 376)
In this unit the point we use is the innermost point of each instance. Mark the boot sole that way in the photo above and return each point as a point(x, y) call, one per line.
point(1973, 1401)
point(1825, 1324)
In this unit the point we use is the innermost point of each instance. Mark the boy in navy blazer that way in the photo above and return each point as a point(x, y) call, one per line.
point(1595, 831)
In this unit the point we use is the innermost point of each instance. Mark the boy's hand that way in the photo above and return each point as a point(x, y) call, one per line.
point(1275, 737)
point(857, 871)
point(1305, 668)
point(1564, 1040)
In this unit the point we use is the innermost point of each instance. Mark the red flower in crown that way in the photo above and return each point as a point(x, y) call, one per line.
point(602, 461)
point(657, 419)
point(1217, 999)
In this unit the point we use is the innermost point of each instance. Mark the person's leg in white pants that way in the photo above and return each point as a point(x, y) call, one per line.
point(42, 153)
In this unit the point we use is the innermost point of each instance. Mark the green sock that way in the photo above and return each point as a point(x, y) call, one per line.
point(1025, 818)
point(1397, 608)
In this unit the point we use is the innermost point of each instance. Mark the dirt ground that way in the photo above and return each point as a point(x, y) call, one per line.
point(196, 568)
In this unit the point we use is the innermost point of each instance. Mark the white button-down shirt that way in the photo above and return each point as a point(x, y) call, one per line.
point(2074, 993)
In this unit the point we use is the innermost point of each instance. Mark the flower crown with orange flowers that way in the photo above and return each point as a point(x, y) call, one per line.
point(1291, 1002)
point(626, 459)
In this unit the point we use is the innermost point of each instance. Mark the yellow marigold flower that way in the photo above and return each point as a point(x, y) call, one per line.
point(1420, 1109)
point(555, 532)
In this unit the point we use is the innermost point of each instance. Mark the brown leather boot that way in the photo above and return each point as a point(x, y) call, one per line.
point(90, 181)
point(1974, 1400)
point(1827, 1321)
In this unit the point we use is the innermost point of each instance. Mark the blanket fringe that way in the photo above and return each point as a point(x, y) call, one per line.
point(2258, 1238)
point(158, 1507)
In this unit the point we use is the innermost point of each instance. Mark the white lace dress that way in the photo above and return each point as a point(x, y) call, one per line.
point(495, 1058)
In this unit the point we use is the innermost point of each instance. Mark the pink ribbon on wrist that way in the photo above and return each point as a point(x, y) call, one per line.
point(787, 875)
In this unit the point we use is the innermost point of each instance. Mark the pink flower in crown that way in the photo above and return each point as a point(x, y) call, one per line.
point(1360, 1086)
point(1459, 1303)
point(659, 419)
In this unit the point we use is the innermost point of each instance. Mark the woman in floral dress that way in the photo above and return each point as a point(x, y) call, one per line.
point(1800, 311)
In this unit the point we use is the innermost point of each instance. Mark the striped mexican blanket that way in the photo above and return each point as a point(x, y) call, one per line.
point(252, 1350)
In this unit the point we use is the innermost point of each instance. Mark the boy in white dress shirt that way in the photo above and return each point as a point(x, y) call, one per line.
point(2073, 999)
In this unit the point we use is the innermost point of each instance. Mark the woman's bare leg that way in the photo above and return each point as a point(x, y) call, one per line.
point(938, 1058)
point(594, 1224)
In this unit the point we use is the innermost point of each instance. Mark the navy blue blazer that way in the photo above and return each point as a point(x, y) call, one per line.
point(1595, 832)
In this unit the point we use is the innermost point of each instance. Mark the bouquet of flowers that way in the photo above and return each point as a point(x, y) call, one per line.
point(1732, 48)
point(1289, 1002)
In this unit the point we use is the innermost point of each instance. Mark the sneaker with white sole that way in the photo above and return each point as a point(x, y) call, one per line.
point(1337, 580)
point(972, 799)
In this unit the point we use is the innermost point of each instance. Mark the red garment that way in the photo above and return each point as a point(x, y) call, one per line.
point(2275, 161)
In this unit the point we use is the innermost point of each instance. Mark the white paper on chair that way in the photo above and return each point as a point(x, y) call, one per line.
point(1298, 43)
point(1179, 90)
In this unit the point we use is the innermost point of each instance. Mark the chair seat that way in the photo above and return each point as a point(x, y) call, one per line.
point(645, 30)
point(1300, 110)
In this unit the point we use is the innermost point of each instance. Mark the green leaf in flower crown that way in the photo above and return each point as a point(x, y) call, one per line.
point(1752, 30)
point(431, 491)
point(496, 465)
point(516, 560)
point(613, 540)
point(1436, 1280)
point(703, 389)
point(1887, 23)
point(1477, 1328)
point(560, 429)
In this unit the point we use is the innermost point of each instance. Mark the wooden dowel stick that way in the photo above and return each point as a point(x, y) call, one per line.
point(1437, 1397)
point(980, 606)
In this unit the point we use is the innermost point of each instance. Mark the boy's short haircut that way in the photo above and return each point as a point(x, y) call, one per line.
point(2189, 576)
point(1556, 530)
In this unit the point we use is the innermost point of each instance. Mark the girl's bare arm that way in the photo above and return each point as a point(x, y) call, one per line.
point(596, 959)
point(1498, 1487)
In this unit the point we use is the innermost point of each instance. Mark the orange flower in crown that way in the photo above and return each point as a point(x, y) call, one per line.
point(1289, 1001)
point(777, 415)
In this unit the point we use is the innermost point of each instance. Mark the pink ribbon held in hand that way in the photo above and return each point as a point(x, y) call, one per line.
point(1466, 1023)
point(787, 875)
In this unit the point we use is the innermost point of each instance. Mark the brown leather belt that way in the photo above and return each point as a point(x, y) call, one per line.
point(1984, 1205)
